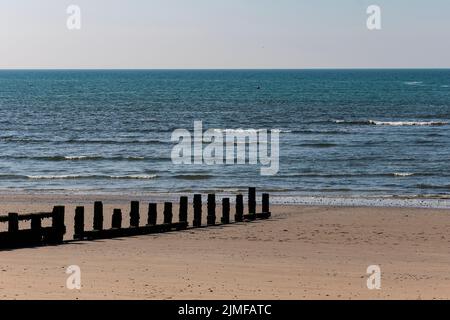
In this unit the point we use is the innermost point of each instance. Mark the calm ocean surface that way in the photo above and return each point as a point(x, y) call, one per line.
point(343, 133)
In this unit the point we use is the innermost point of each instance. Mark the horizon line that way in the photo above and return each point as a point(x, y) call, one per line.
point(224, 69)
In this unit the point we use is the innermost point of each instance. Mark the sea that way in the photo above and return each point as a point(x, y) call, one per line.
point(342, 133)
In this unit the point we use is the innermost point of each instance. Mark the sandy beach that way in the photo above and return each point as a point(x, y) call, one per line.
point(311, 139)
point(303, 252)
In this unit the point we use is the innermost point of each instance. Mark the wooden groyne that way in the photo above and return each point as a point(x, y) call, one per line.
point(37, 235)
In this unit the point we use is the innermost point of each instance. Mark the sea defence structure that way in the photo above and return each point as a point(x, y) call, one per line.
point(37, 235)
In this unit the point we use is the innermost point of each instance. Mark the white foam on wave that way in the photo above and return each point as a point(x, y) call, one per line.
point(403, 174)
point(78, 157)
point(45, 177)
point(136, 176)
point(98, 157)
point(240, 130)
point(408, 123)
point(392, 123)
point(413, 83)
point(74, 176)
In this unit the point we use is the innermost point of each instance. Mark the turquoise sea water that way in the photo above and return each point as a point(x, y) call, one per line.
point(343, 132)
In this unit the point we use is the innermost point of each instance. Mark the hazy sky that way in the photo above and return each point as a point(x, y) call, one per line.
point(224, 34)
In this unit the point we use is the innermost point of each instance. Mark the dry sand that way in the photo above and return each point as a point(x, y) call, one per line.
point(303, 252)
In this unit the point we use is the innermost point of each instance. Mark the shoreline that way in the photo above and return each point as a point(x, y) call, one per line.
point(275, 199)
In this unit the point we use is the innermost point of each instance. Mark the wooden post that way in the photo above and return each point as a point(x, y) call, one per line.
point(79, 223)
point(13, 222)
point(134, 214)
point(211, 218)
point(168, 213)
point(183, 212)
point(116, 219)
point(98, 215)
point(252, 200)
point(58, 217)
point(36, 223)
point(59, 229)
point(265, 203)
point(225, 210)
point(197, 210)
point(13, 229)
point(239, 216)
point(152, 214)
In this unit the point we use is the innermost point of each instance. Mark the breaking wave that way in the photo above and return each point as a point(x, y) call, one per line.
point(392, 123)
point(65, 177)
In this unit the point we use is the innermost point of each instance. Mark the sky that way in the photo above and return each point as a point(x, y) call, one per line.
point(205, 34)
